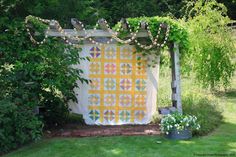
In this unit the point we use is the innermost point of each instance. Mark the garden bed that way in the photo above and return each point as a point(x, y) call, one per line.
point(72, 130)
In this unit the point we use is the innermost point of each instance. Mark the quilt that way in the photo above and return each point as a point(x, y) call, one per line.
point(122, 88)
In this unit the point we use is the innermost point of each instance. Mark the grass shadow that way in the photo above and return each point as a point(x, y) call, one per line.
point(231, 93)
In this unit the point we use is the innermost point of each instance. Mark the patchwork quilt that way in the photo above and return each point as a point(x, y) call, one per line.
point(123, 90)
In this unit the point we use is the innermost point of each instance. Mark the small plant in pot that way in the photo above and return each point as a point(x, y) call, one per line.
point(178, 126)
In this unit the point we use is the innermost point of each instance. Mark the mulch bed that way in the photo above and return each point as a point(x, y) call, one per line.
point(93, 130)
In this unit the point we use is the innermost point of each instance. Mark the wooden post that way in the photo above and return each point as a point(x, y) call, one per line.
point(158, 78)
point(175, 70)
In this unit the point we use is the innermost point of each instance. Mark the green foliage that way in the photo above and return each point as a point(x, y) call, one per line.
point(113, 11)
point(75, 118)
point(36, 75)
point(211, 44)
point(18, 126)
point(36, 27)
point(206, 110)
point(51, 9)
point(156, 118)
point(178, 33)
point(33, 75)
point(55, 111)
point(90, 11)
point(6, 5)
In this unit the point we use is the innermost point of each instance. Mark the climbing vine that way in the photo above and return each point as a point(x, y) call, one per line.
point(156, 27)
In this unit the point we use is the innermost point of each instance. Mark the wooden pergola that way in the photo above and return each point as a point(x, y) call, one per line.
point(102, 35)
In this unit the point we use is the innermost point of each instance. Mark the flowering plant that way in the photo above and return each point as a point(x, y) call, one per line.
point(178, 122)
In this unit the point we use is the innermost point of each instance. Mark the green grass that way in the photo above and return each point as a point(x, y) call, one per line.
point(221, 141)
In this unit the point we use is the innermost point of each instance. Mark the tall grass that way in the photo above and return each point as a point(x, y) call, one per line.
point(206, 109)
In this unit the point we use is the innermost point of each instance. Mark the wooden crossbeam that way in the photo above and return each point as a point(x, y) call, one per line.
point(92, 33)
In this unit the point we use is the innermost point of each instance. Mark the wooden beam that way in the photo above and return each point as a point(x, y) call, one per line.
point(102, 23)
point(93, 33)
point(158, 77)
point(124, 24)
point(143, 25)
point(175, 84)
point(53, 25)
point(76, 24)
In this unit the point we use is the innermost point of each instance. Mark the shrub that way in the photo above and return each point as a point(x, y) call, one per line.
point(37, 75)
point(206, 110)
point(75, 118)
point(18, 126)
point(211, 48)
point(156, 118)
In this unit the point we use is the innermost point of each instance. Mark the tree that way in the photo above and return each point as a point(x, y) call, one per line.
point(114, 10)
point(211, 44)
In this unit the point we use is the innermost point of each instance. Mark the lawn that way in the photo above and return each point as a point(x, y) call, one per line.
point(219, 143)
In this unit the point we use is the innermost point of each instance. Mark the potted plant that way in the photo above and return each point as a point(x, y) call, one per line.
point(178, 126)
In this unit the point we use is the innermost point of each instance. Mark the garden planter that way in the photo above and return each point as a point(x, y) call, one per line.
point(180, 135)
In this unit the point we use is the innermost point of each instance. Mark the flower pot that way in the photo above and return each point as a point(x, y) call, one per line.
point(180, 135)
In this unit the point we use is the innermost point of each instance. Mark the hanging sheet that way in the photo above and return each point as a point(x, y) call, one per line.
point(122, 90)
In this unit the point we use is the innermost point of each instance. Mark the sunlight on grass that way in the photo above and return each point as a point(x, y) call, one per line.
point(186, 142)
point(116, 151)
point(232, 144)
